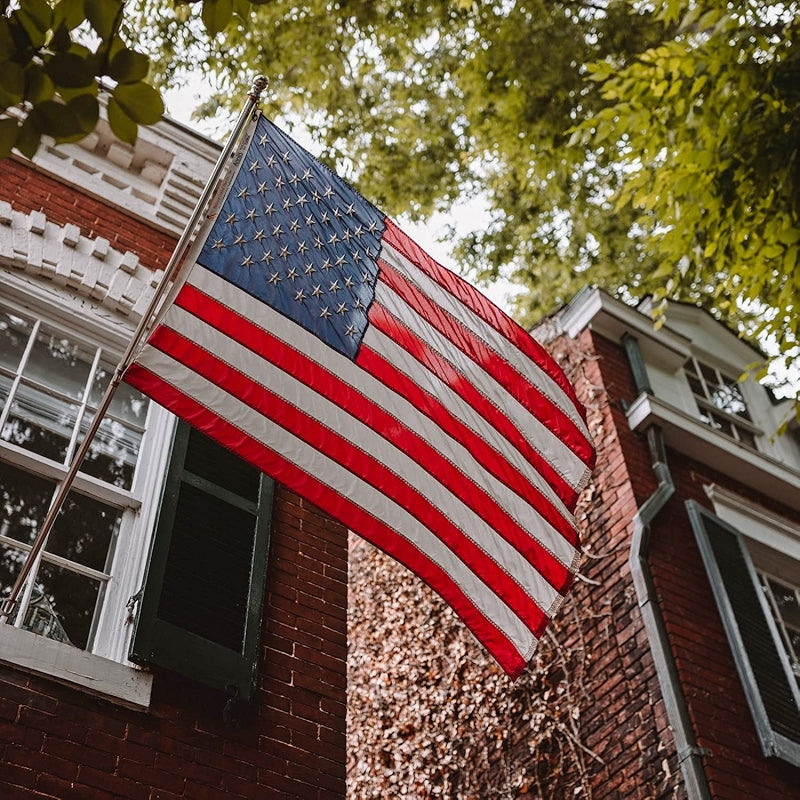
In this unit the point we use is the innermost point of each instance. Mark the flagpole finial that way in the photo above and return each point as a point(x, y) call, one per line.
point(260, 82)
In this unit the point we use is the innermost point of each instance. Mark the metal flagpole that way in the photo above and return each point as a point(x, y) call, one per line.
point(176, 260)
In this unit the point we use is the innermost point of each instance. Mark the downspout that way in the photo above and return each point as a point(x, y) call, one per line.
point(689, 754)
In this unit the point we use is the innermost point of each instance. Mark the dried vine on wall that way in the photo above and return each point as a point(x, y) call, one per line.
point(431, 715)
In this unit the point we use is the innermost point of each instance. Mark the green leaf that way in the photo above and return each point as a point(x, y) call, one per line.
point(216, 15)
point(6, 41)
point(70, 70)
point(38, 87)
point(12, 84)
point(69, 12)
point(57, 120)
point(102, 14)
point(35, 17)
point(128, 66)
point(29, 136)
point(140, 101)
point(86, 110)
point(8, 136)
point(122, 125)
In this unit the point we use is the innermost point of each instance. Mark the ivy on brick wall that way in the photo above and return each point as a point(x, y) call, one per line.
point(431, 715)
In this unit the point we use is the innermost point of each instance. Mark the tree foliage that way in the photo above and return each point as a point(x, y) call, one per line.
point(51, 57)
point(644, 147)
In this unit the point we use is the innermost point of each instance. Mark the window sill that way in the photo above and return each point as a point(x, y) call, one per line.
point(99, 676)
point(690, 436)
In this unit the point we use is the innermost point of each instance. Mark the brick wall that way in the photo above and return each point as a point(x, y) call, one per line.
point(623, 719)
point(57, 742)
point(734, 764)
point(27, 190)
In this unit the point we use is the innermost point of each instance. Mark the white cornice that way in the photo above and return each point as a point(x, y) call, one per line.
point(68, 265)
point(611, 318)
point(159, 179)
point(693, 438)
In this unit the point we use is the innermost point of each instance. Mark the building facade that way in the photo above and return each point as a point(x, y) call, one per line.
point(672, 669)
point(184, 634)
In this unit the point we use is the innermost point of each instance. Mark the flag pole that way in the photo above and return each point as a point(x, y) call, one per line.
point(212, 185)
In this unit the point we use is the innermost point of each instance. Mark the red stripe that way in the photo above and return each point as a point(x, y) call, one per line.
point(310, 373)
point(469, 296)
point(369, 469)
point(429, 358)
point(335, 504)
point(525, 392)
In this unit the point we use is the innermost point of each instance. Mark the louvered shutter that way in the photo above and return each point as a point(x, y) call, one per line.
point(201, 608)
point(761, 660)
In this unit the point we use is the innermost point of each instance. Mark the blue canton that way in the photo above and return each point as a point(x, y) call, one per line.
point(297, 237)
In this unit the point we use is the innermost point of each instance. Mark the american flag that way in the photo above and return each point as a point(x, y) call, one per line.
point(320, 343)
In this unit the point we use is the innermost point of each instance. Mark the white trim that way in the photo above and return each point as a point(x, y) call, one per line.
point(126, 685)
point(755, 521)
point(691, 436)
point(70, 266)
point(76, 309)
point(612, 319)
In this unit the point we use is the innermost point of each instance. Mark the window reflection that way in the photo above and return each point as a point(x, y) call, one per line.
point(50, 387)
point(64, 598)
point(61, 385)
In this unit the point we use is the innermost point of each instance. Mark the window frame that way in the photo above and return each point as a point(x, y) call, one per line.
point(773, 743)
point(103, 669)
point(693, 369)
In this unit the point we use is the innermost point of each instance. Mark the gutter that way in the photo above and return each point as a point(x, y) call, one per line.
point(689, 754)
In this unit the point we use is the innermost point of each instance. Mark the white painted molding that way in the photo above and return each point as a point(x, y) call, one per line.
point(125, 685)
point(90, 268)
point(158, 179)
point(689, 435)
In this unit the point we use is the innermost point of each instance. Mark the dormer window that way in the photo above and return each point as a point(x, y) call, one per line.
point(720, 401)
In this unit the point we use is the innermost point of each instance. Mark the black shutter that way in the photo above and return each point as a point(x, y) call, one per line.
point(761, 659)
point(200, 612)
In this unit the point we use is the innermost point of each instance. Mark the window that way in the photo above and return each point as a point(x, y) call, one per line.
point(721, 403)
point(50, 385)
point(763, 654)
point(784, 603)
point(200, 610)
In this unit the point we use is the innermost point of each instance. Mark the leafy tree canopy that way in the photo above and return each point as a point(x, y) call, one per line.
point(648, 147)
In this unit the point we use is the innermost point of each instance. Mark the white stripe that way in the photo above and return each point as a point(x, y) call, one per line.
point(543, 440)
point(297, 338)
point(341, 480)
point(484, 331)
point(416, 373)
point(363, 437)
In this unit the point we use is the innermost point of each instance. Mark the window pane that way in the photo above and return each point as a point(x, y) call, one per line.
point(128, 404)
point(11, 561)
point(722, 424)
point(14, 334)
point(41, 423)
point(62, 605)
point(113, 452)
point(786, 602)
point(5, 388)
point(84, 531)
point(709, 373)
point(696, 385)
point(58, 362)
point(24, 500)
